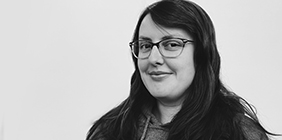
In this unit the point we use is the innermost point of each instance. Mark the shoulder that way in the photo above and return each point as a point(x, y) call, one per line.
point(251, 129)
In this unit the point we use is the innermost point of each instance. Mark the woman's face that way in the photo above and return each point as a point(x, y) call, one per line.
point(175, 75)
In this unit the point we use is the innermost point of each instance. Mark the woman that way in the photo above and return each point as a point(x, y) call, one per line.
point(176, 93)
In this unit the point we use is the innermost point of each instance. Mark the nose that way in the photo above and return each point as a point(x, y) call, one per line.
point(156, 57)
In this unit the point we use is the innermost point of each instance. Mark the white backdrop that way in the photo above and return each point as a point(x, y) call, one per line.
point(64, 63)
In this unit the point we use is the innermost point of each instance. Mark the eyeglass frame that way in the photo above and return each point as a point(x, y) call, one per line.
point(131, 44)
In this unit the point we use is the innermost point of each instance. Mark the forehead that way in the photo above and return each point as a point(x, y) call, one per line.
point(149, 29)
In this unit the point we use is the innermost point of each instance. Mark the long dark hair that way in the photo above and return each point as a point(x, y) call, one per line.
point(209, 109)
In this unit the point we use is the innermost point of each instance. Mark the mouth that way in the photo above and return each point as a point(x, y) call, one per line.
point(159, 75)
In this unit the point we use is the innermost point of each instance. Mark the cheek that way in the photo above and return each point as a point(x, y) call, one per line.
point(186, 65)
point(183, 65)
point(184, 69)
point(142, 66)
point(185, 74)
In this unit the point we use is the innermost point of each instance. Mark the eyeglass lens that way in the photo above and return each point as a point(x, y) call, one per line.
point(168, 48)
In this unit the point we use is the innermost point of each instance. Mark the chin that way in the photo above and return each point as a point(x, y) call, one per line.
point(159, 94)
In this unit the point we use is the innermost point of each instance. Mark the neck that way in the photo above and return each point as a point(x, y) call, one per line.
point(165, 112)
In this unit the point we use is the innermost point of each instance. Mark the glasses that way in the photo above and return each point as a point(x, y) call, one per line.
point(169, 48)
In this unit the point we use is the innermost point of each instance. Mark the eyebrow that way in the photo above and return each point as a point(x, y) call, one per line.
point(144, 38)
point(149, 39)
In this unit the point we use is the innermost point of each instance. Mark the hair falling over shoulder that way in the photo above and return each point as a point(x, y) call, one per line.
point(209, 112)
point(121, 123)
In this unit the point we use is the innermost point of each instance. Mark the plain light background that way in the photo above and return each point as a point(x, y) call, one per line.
point(64, 63)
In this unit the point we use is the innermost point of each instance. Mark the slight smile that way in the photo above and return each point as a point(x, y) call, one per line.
point(159, 75)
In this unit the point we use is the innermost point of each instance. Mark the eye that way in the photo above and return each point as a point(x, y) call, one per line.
point(145, 46)
point(172, 44)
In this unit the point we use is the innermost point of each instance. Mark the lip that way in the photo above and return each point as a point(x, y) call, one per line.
point(159, 75)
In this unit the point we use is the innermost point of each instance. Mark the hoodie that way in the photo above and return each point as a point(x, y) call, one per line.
point(152, 129)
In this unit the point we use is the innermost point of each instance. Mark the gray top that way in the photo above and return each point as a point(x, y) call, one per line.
point(151, 128)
